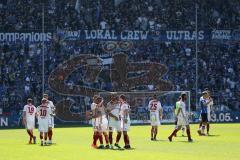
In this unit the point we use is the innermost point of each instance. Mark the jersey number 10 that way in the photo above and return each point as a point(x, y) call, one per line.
point(43, 112)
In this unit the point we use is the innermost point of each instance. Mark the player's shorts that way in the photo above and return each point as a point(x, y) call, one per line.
point(103, 125)
point(182, 121)
point(155, 121)
point(95, 124)
point(209, 114)
point(114, 125)
point(30, 125)
point(125, 126)
point(51, 122)
point(204, 117)
point(43, 125)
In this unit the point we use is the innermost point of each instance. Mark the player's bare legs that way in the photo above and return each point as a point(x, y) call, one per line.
point(49, 135)
point(41, 138)
point(30, 136)
point(152, 133)
point(155, 133)
point(208, 127)
point(174, 133)
point(176, 130)
point(45, 137)
point(202, 129)
point(188, 133)
point(126, 140)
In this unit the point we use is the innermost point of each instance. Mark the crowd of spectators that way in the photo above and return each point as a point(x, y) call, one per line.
point(219, 63)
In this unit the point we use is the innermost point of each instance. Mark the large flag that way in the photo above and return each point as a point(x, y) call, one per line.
point(77, 6)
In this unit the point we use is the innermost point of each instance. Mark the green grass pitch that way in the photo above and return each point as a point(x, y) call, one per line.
point(75, 144)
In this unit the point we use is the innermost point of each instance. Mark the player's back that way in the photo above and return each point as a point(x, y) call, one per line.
point(30, 112)
point(44, 112)
point(154, 106)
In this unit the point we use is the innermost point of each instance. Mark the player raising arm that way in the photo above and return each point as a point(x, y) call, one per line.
point(182, 118)
point(43, 114)
point(156, 111)
point(125, 120)
point(29, 113)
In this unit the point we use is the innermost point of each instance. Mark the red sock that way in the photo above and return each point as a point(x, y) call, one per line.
point(95, 138)
point(189, 134)
point(100, 138)
point(106, 138)
point(50, 133)
point(126, 139)
point(118, 137)
point(110, 137)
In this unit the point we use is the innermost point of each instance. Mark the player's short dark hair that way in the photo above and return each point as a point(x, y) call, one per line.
point(98, 99)
point(45, 95)
point(183, 94)
point(123, 97)
point(204, 92)
point(154, 96)
point(29, 100)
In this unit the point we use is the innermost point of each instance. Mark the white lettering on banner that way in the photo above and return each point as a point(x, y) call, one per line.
point(100, 34)
point(184, 35)
point(221, 34)
point(32, 37)
point(3, 122)
point(134, 35)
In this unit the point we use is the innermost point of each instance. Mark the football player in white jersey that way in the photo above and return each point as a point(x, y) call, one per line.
point(95, 116)
point(156, 111)
point(182, 117)
point(29, 113)
point(125, 119)
point(51, 118)
point(43, 113)
point(103, 126)
point(113, 110)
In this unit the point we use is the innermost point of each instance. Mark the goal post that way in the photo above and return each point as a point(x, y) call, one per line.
point(138, 102)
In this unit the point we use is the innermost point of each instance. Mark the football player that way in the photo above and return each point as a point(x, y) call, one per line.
point(29, 113)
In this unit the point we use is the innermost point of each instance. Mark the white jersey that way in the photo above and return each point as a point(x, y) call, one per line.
point(154, 107)
point(123, 108)
point(114, 109)
point(30, 112)
point(51, 106)
point(44, 112)
point(183, 112)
